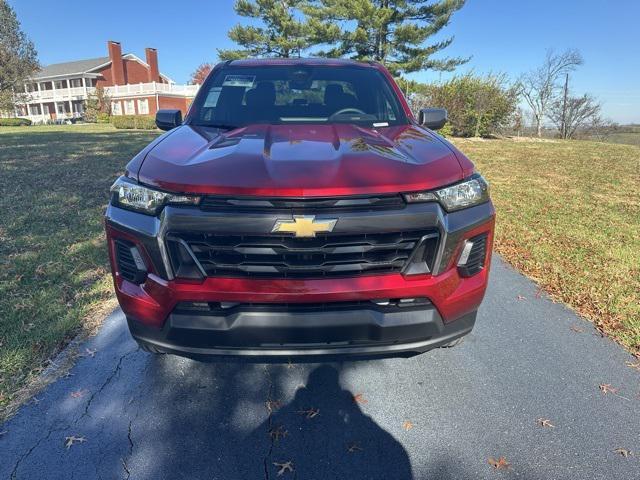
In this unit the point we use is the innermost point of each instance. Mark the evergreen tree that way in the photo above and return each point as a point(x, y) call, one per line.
point(97, 106)
point(18, 57)
point(286, 33)
point(392, 32)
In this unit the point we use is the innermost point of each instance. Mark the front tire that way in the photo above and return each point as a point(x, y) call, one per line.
point(145, 347)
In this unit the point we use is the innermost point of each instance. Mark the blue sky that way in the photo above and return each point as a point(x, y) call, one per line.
point(501, 35)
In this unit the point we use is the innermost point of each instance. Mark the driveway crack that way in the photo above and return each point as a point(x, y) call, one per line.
point(124, 460)
point(14, 472)
point(105, 384)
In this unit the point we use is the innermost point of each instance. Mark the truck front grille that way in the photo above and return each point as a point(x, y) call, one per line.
point(275, 256)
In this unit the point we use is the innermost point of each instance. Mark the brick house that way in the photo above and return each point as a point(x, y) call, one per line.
point(136, 87)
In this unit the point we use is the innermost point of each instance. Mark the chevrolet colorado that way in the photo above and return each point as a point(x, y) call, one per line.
point(299, 209)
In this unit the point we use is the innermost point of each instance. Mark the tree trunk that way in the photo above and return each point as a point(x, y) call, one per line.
point(539, 127)
point(564, 130)
point(478, 121)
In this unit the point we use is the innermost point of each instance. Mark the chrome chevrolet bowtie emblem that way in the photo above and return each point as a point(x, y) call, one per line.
point(304, 226)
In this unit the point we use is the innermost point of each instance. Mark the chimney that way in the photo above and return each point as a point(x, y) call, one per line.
point(152, 60)
point(117, 65)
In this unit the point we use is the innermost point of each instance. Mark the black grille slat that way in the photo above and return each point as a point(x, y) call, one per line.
point(278, 256)
point(212, 202)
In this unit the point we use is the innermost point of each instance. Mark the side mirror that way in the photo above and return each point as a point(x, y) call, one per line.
point(433, 118)
point(168, 119)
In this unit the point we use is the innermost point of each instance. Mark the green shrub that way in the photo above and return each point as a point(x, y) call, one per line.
point(446, 131)
point(102, 117)
point(14, 122)
point(140, 122)
point(478, 106)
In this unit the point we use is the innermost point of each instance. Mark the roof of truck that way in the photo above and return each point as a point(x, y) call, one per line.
point(258, 62)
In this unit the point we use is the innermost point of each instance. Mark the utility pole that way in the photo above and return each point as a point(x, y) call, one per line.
point(563, 125)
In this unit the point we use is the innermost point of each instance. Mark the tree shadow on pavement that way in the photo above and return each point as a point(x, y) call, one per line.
point(325, 434)
point(244, 420)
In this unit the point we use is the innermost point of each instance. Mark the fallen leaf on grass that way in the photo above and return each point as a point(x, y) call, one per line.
point(577, 329)
point(309, 413)
point(284, 467)
point(500, 463)
point(354, 447)
point(72, 440)
point(544, 422)
point(623, 451)
point(79, 393)
point(276, 433)
point(407, 425)
point(359, 398)
point(607, 388)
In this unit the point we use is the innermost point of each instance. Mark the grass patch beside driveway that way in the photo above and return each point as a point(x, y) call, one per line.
point(569, 217)
point(53, 263)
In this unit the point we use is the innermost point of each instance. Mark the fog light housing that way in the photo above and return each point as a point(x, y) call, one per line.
point(129, 261)
point(473, 255)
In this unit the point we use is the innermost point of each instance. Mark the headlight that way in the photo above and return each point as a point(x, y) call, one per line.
point(126, 193)
point(461, 195)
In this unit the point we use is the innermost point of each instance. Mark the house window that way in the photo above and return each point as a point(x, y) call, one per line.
point(115, 108)
point(60, 109)
point(34, 109)
point(59, 84)
point(143, 106)
point(76, 82)
point(129, 107)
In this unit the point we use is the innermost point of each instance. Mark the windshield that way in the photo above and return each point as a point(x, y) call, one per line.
point(240, 96)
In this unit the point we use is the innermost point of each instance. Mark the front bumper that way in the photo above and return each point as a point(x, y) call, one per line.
point(152, 308)
point(287, 331)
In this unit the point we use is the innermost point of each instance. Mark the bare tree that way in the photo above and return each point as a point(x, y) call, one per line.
point(518, 121)
point(574, 114)
point(539, 86)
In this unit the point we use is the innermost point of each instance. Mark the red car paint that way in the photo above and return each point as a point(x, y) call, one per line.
point(301, 160)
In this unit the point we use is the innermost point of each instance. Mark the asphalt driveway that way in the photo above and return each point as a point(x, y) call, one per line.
point(122, 413)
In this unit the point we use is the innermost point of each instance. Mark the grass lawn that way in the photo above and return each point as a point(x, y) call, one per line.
point(569, 217)
point(53, 262)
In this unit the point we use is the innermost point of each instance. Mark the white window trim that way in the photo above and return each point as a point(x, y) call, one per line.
point(116, 108)
point(143, 106)
point(129, 107)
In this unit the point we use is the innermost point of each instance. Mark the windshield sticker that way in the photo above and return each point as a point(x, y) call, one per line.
point(239, 81)
point(212, 97)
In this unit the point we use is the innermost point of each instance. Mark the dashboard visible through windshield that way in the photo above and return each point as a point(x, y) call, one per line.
point(235, 97)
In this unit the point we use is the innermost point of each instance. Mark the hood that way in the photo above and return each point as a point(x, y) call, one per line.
point(299, 160)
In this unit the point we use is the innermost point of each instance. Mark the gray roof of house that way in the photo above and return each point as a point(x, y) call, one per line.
point(71, 67)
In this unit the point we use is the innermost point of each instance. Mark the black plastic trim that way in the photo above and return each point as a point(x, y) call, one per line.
point(287, 333)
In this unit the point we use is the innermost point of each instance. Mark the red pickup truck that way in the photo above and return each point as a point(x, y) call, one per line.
point(299, 209)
